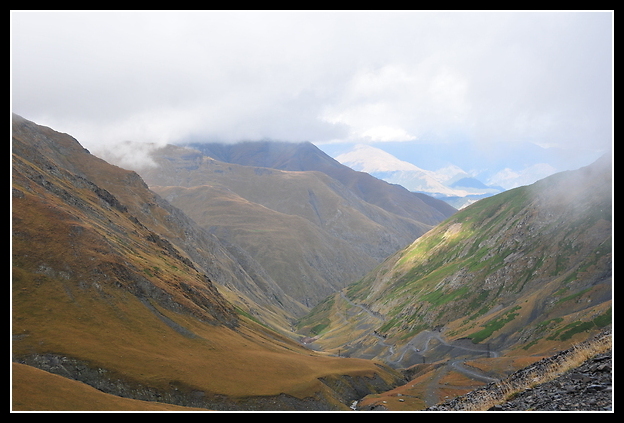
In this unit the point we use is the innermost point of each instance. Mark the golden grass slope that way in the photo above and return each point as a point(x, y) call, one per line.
point(110, 287)
point(33, 389)
point(114, 331)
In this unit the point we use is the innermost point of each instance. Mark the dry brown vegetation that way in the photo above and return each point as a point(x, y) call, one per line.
point(78, 255)
point(36, 390)
point(122, 336)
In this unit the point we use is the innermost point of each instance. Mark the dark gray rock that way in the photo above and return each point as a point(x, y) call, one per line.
point(588, 387)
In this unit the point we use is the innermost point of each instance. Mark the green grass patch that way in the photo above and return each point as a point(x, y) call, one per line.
point(316, 330)
point(493, 326)
point(439, 297)
point(579, 326)
point(573, 296)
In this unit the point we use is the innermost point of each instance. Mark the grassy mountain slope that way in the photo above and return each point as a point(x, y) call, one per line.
point(35, 390)
point(311, 234)
point(305, 262)
point(518, 273)
point(114, 287)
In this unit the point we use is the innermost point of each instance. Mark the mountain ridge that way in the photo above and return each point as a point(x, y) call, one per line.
point(74, 169)
point(441, 184)
point(115, 287)
point(307, 157)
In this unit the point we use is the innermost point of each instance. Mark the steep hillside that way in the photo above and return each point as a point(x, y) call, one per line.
point(77, 217)
point(36, 390)
point(61, 172)
point(115, 288)
point(310, 234)
point(518, 273)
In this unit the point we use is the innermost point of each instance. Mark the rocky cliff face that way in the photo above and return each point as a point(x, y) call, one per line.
point(587, 386)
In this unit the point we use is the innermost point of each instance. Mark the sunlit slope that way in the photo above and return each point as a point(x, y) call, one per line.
point(113, 287)
point(527, 268)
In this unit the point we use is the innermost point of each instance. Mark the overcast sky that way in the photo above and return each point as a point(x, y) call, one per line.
point(494, 78)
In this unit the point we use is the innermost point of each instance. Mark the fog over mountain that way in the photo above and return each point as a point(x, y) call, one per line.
point(116, 290)
point(516, 271)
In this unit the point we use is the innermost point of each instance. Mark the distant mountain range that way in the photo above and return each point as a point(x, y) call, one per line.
point(307, 157)
point(506, 165)
point(451, 184)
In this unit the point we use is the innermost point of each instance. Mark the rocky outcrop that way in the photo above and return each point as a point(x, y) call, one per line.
point(586, 387)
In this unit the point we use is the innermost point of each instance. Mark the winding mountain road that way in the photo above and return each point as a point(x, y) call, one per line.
point(420, 344)
point(366, 309)
point(474, 374)
point(437, 336)
point(422, 348)
point(423, 340)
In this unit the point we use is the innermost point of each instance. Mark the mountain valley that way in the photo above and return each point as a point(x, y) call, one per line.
point(309, 232)
point(268, 276)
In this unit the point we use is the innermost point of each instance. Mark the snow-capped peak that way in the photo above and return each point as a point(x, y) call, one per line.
point(389, 168)
point(384, 165)
point(451, 173)
point(366, 158)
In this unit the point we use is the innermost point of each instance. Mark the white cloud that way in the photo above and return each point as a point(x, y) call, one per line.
point(492, 77)
point(508, 178)
point(128, 154)
point(386, 133)
point(400, 102)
